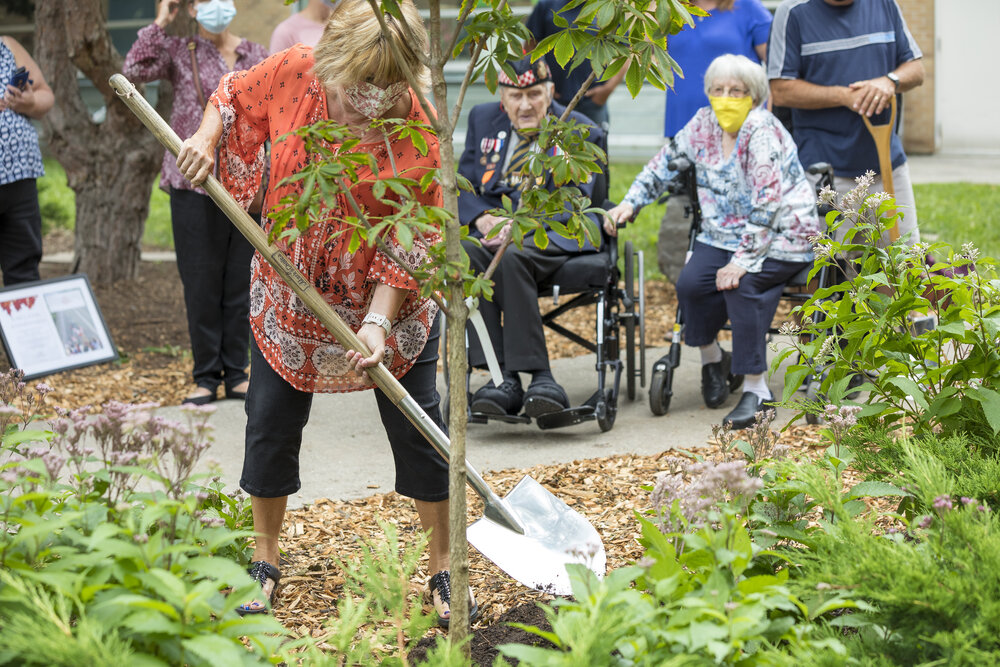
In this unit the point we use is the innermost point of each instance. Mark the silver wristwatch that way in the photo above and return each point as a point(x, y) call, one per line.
point(895, 79)
point(380, 320)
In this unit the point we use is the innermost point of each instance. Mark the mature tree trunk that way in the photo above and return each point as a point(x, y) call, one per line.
point(109, 165)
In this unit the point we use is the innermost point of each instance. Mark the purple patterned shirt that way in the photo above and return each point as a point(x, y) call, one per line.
point(156, 55)
point(755, 202)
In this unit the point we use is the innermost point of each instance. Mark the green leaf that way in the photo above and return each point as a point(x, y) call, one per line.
point(990, 400)
point(564, 49)
point(633, 79)
point(911, 388)
point(216, 650)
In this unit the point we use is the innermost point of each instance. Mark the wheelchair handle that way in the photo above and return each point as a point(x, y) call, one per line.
point(680, 164)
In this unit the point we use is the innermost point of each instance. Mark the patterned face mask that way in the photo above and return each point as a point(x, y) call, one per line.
point(371, 101)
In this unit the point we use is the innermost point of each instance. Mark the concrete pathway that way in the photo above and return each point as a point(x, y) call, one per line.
point(345, 453)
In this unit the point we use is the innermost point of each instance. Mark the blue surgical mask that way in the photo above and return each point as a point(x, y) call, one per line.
point(215, 15)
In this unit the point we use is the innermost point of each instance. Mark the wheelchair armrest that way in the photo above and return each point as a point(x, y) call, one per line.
point(825, 171)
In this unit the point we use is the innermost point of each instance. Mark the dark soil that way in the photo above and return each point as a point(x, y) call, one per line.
point(486, 640)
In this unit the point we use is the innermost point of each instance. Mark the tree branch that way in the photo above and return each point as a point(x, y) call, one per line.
point(444, 57)
point(410, 76)
point(457, 109)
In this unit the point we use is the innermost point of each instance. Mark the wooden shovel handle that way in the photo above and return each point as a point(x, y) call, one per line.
point(882, 134)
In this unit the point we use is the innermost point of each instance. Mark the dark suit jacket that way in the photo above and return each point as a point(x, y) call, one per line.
point(487, 141)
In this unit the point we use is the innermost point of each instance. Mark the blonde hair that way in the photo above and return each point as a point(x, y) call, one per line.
point(741, 68)
point(353, 49)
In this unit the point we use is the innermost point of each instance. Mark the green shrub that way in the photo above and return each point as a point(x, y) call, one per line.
point(150, 575)
point(946, 378)
point(703, 592)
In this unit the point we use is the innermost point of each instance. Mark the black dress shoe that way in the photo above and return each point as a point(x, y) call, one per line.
point(744, 414)
point(506, 399)
point(715, 381)
point(543, 397)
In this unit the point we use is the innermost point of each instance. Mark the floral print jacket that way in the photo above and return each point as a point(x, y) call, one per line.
point(755, 203)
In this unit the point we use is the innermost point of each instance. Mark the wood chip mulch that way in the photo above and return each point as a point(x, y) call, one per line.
point(607, 491)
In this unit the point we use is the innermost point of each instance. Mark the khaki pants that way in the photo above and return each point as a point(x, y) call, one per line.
point(908, 230)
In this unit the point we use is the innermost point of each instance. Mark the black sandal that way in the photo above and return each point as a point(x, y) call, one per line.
point(260, 571)
point(441, 582)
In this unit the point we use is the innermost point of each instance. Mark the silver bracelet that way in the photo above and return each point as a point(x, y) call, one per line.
point(380, 320)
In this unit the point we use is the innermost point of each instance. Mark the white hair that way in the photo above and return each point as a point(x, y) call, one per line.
point(730, 66)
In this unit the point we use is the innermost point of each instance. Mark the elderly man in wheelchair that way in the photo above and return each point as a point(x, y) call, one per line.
point(758, 214)
point(499, 139)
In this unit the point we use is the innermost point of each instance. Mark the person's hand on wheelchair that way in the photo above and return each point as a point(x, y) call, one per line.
point(619, 215)
point(485, 224)
point(728, 277)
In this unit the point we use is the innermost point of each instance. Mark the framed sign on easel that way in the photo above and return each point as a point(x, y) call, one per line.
point(53, 325)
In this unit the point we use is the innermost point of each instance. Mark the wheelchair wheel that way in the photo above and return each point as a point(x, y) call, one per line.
point(630, 322)
point(607, 410)
point(661, 391)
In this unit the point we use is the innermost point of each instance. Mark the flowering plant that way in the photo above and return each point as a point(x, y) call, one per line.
point(109, 544)
point(862, 328)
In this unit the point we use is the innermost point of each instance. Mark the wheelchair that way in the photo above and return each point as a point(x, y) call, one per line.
point(798, 290)
point(593, 280)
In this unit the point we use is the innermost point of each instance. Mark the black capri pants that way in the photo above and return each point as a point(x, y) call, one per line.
point(749, 308)
point(277, 412)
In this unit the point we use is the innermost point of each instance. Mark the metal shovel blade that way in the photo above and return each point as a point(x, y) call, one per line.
point(554, 536)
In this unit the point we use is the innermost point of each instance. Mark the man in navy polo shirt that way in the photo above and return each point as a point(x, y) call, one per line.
point(832, 61)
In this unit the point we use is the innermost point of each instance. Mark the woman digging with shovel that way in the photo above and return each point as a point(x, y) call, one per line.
point(351, 78)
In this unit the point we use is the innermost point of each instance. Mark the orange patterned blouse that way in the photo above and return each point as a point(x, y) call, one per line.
point(270, 99)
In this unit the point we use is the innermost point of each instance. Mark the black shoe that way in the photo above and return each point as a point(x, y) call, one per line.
point(506, 399)
point(238, 395)
point(744, 414)
point(543, 397)
point(715, 381)
point(201, 400)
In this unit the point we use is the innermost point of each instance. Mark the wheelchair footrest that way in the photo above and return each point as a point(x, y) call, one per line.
point(482, 418)
point(567, 417)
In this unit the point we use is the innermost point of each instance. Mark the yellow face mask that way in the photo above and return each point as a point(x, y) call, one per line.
point(731, 111)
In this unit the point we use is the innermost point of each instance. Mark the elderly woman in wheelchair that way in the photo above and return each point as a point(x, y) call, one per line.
point(758, 214)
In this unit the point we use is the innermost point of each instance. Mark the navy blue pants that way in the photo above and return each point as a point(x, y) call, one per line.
point(750, 307)
point(213, 259)
point(277, 412)
point(20, 232)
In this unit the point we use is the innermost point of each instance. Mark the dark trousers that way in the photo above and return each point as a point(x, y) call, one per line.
point(749, 308)
point(213, 260)
point(520, 343)
point(277, 412)
point(20, 232)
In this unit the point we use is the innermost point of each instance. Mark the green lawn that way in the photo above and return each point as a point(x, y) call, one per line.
point(956, 213)
point(58, 204)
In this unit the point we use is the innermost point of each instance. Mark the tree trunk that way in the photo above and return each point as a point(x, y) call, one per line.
point(109, 165)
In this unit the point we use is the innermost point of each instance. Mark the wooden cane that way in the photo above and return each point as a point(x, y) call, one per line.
point(882, 134)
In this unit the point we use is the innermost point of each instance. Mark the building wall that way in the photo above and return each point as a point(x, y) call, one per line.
point(919, 115)
point(255, 19)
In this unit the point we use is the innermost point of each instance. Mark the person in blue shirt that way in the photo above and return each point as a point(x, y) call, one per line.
point(567, 82)
point(739, 27)
point(833, 61)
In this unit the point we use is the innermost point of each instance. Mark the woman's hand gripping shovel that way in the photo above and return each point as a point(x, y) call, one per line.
point(530, 534)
